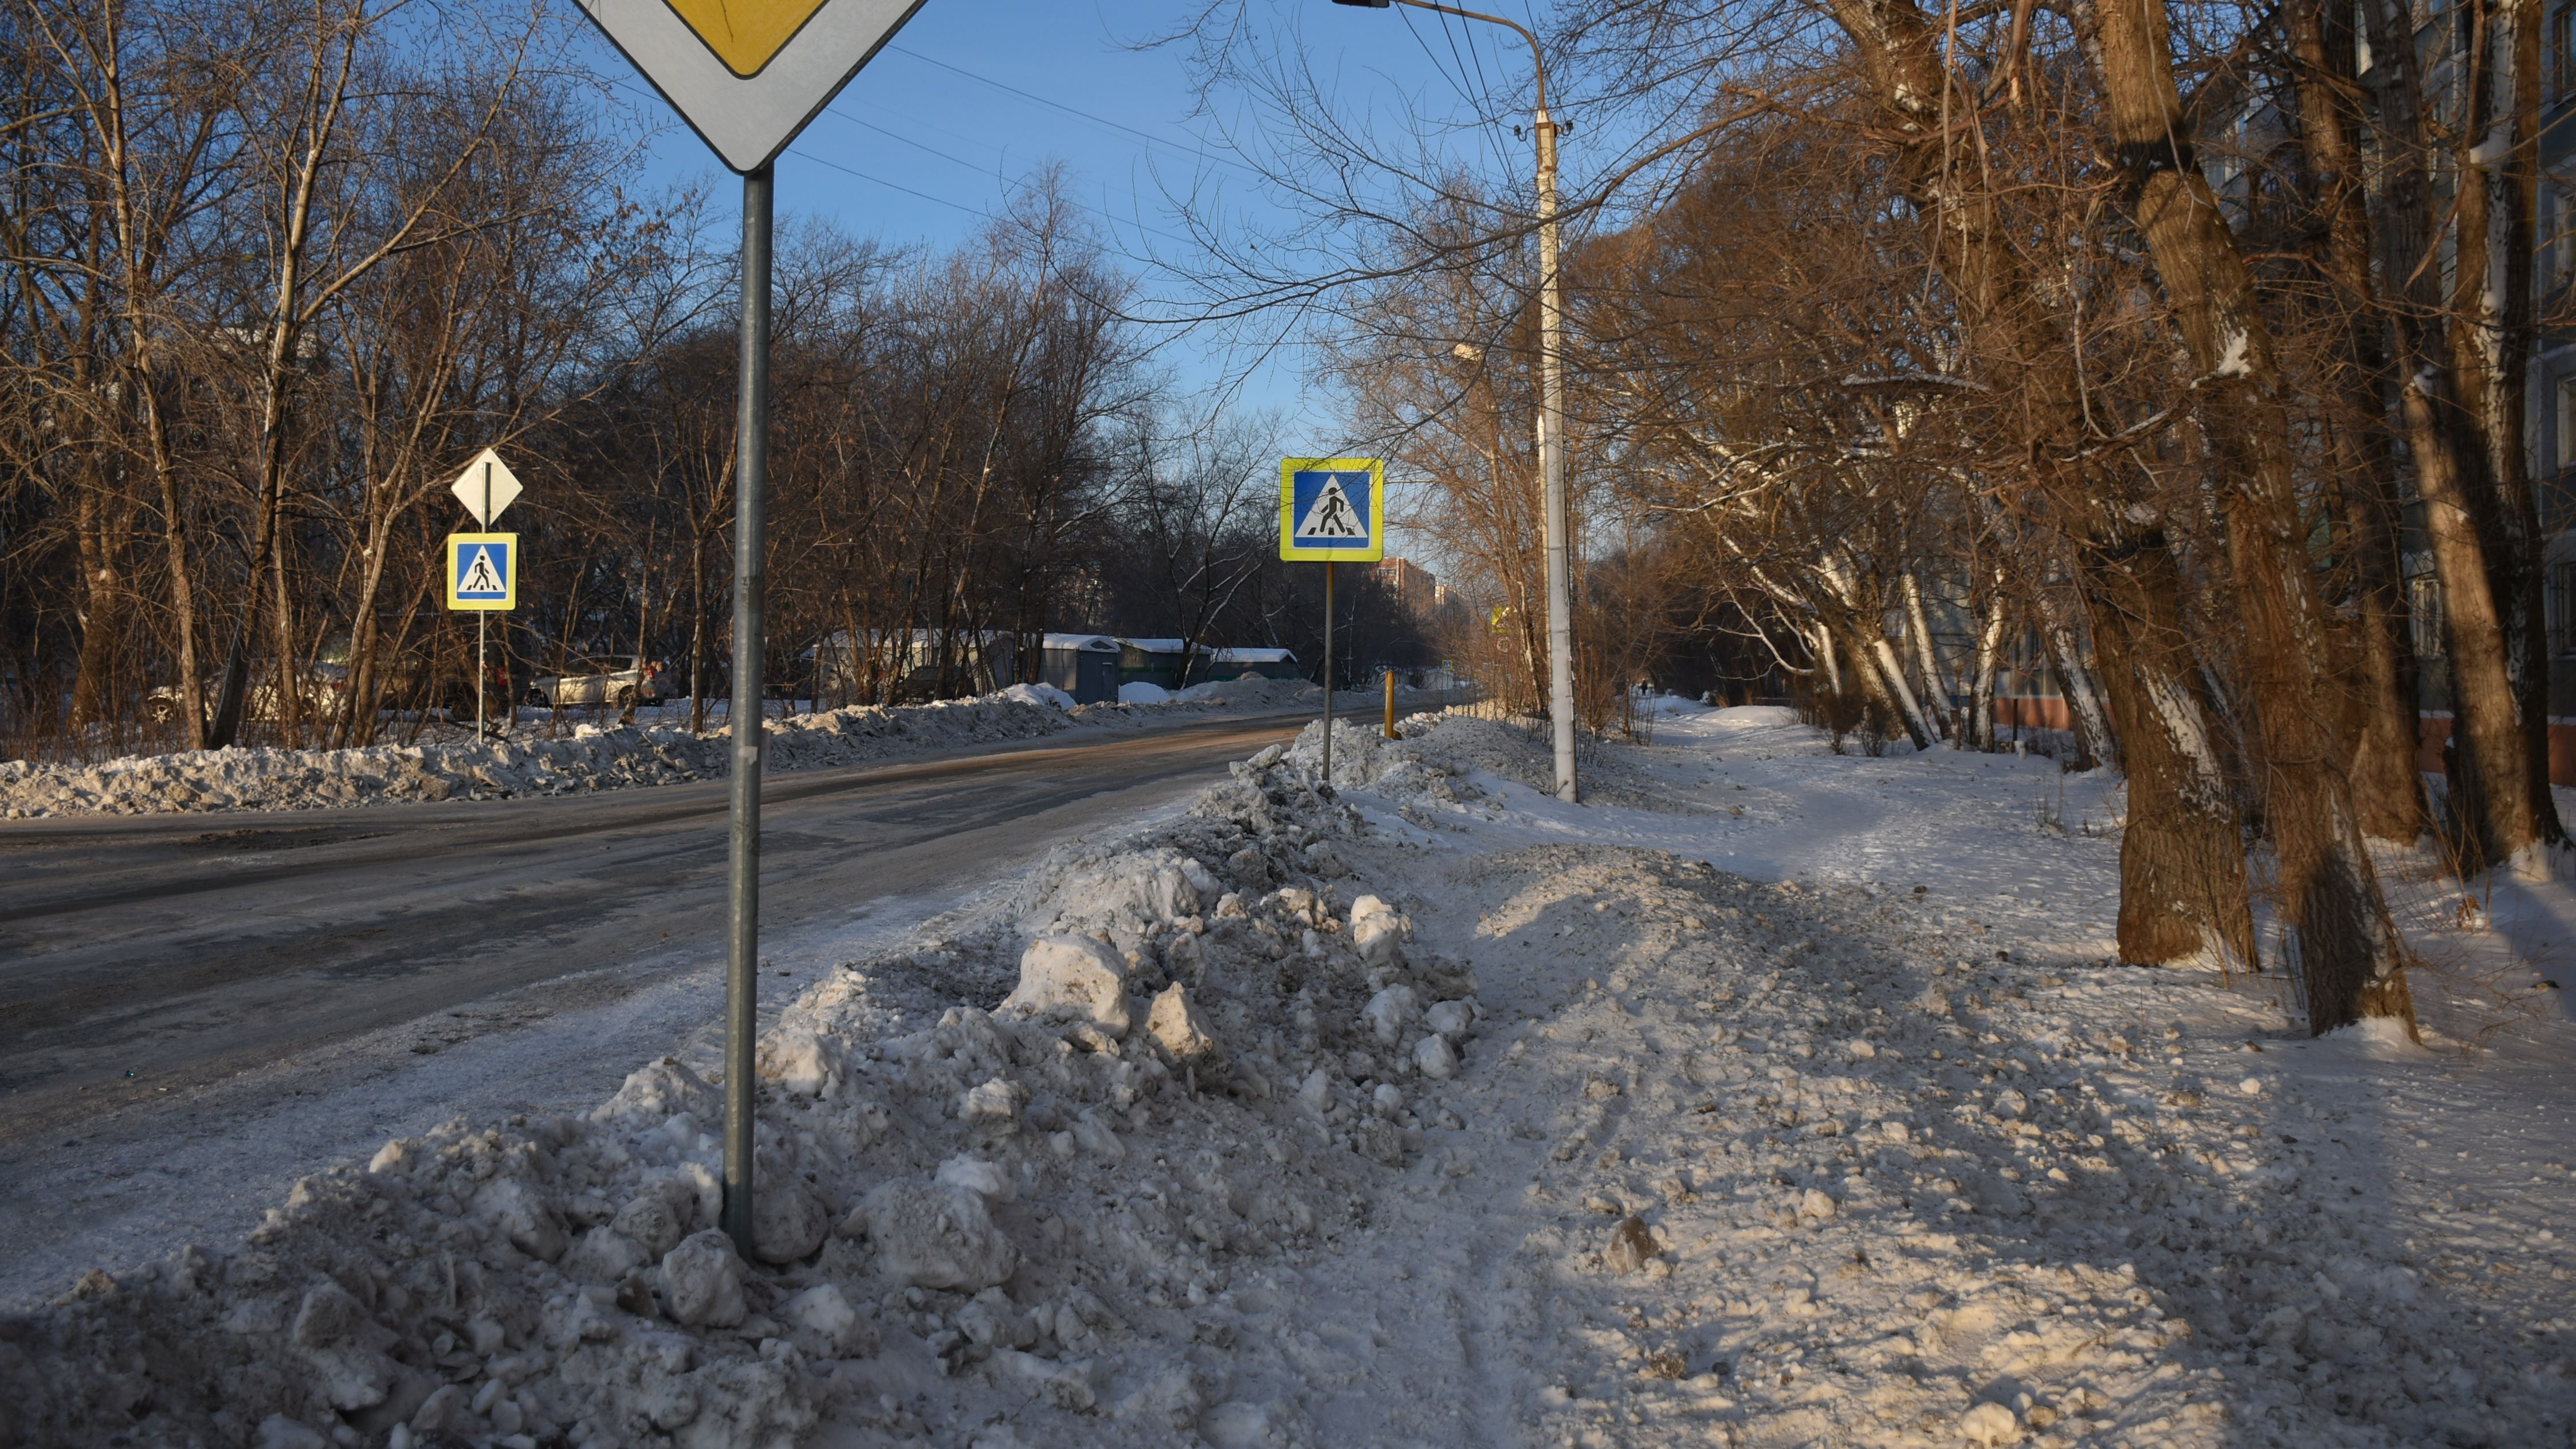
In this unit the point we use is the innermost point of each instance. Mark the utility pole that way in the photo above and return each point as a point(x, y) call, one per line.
point(1551, 456)
point(1551, 408)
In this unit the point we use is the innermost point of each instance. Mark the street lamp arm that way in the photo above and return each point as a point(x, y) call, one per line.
point(1538, 60)
point(1551, 411)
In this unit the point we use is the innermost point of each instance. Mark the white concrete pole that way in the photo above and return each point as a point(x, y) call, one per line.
point(1551, 465)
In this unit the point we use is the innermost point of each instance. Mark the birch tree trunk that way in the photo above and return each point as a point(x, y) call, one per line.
point(1980, 733)
point(2095, 744)
point(1882, 674)
point(2347, 948)
point(1927, 657)
point(1909, 710)
point(325, 98)
point(102, 529)
point(140, 206)
point(1823, 644)
point(2484, 274)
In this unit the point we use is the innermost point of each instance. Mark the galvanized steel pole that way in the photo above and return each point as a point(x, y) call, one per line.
point(750, 580)
point(1328, 671)
point(482, 624)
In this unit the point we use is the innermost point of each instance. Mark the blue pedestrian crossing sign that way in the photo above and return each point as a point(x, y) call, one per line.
point(1332, 509)
point(482, 571)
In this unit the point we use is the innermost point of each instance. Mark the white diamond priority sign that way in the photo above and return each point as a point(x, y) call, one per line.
point(486, 487)
point(748, 74)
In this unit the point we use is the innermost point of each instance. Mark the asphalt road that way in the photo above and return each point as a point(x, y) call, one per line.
point(146, 961)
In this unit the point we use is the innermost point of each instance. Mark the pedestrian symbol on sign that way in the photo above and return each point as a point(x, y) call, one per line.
point(1331, 514)
point(481, 572)
point(481, 579)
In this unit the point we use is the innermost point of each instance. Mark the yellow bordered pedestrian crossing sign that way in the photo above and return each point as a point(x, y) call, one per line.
point(1332, 509)
point(482, 571)
point(748, 74)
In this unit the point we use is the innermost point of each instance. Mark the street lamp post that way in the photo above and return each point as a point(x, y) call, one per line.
point(1551, 406)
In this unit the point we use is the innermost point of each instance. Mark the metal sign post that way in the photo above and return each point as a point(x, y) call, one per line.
point(1331, 510)
point(483, 627)
point(1328, 671)
point(483, 568)
point(482, 637)
point(747, 75)
point(750, 601)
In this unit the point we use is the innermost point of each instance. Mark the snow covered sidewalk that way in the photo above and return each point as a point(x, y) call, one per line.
point(1431, 1112)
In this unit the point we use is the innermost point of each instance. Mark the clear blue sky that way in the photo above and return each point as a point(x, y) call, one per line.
point(975, 94)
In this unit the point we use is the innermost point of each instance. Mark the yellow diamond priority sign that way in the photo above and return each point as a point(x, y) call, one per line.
point(744, 34)
point(748, 74)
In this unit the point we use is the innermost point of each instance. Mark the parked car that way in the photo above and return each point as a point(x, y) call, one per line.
point(621, 680)
point(325, 686)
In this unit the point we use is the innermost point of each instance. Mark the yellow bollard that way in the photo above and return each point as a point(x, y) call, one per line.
point(1390, 704)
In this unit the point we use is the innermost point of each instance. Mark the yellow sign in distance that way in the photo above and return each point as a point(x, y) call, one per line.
point(483, 571)
point(745, 34)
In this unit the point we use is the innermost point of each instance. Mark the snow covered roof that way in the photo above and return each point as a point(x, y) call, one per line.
point(1256, 656)
point(1160, 646)
point(840, 638)
point(1082, 641)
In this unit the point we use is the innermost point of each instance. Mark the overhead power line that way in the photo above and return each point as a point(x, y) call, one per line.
point(804, 155)
point(839, 114)
point(1098, 120)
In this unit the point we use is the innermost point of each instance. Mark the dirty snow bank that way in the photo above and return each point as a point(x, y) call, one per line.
point(590, 757)
point(1211, 1043)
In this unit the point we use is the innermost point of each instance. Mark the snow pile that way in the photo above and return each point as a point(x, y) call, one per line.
point(1045, 694)
point(1451, 762)
point(1660, 705)
point(590, 757)
point(1256, 691)
point(1433, 756)
point(1207, 1054)
point(1139, 691)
